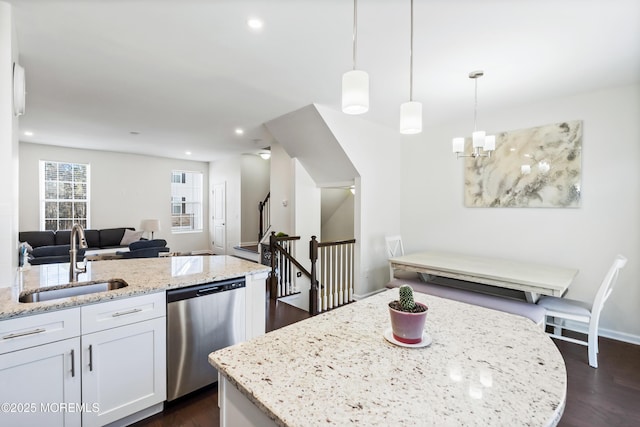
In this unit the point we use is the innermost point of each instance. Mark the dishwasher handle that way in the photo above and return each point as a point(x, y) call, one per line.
point(211, 290)
point(204, 289)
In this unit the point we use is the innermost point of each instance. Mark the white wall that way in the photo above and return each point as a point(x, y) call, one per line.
point(306, 202)
point(254, 188)
point(374, 151)
point(125, 189)
point(8, 150)
point(281, 184)
point(433, 215)
point(228, 171)
point(339, 226)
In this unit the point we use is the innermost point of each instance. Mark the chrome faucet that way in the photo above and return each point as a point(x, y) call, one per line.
point(74, 270)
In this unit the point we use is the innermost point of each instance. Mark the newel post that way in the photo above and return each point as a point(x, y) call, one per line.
point(273, 276)
point(313, 291)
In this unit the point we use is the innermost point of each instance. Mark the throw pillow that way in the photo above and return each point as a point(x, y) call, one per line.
point(130, 236)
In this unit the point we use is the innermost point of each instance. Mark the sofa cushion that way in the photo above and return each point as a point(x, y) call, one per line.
point(56, 250)
point(93, 238)
point(146, 244)
point(130, 237)
point(521, 308)
point(111, 237)
point(37, 238)
point(63, 237)
point(145, 253)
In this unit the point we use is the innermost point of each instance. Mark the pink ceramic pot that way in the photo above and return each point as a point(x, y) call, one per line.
point(407, 327)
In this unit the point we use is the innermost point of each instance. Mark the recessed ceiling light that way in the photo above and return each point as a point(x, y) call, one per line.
point(254, 23)
point(28, 133)
point(239, 131)
point(188, 153)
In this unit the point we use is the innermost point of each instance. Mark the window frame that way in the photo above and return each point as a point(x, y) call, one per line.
point(43, 193)
point(180, 177)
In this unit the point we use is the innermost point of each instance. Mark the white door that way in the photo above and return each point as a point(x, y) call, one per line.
point(219, 235)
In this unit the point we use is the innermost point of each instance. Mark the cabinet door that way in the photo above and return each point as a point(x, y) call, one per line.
point(40, 386)
point(124, 370)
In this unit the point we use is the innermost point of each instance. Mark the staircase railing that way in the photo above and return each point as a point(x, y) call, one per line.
point(332, 274)
point(264, 207)
point(281, 279)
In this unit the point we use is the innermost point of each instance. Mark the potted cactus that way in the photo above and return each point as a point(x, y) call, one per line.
point(407, 317)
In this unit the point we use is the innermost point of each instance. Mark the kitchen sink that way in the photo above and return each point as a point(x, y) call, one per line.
point(72, 290)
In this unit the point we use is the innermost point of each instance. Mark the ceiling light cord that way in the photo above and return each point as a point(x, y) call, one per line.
point(475, 107)
point(411, 58)
point(355, 31)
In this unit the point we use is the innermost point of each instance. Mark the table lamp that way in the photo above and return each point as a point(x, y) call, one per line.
point(150, 225)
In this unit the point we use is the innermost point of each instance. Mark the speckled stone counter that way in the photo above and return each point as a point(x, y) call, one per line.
point(483, 368)
point(144, 275)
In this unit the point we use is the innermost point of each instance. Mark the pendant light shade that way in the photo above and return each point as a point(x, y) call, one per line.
point(355, 83)
point(355, 92)
point(411, 112)
point(411, 117)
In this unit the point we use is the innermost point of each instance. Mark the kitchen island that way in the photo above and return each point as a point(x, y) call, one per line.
point(483, 367)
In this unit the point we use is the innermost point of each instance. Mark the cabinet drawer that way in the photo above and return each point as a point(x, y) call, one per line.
point(105, 315)
point(30, 331)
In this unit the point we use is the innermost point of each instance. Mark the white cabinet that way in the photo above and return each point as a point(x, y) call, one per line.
point(40, 384)
point(256, 305)
point(123, 357)
point(87, 366)
point(123, 366)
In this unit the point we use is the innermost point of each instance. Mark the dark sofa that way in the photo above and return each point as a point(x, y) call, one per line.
point(49, 247)
point(145, 249)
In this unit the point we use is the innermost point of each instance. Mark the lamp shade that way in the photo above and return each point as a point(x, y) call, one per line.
point(478, 138)
point(355, 92)
point(489, 143)
point(411, 117)
point(151, 225)
point(458, 145)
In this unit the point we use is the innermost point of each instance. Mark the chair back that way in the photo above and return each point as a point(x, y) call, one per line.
point(607, 285)
point(394, 246)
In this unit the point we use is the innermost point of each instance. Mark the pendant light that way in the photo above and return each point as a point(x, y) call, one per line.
point(411, 112)
point(355, 83)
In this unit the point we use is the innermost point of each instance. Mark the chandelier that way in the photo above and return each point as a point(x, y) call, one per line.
point(483, 144)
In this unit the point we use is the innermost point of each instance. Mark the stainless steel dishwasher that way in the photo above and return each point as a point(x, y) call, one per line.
point(201, 319)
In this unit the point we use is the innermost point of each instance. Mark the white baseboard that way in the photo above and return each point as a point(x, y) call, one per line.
point(358, 297)
point(607, 333)
point(620, 336)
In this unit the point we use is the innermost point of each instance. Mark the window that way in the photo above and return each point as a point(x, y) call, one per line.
point(186, 201)
point(64, 195)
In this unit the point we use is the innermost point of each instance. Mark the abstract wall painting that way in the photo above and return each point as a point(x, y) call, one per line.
point(538, 167)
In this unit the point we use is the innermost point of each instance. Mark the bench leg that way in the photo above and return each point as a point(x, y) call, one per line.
point(531, 297)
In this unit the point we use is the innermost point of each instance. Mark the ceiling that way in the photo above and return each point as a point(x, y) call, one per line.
point(184, 74)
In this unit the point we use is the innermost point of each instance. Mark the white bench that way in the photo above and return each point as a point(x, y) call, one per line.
point(521, 308)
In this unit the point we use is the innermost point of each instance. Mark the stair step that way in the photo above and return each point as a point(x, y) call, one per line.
point(248, 248)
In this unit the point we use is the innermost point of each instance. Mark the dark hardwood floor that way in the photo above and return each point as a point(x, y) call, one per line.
point(608, 396)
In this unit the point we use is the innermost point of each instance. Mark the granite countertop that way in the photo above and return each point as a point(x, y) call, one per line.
point(484, 367)
point(144, 275)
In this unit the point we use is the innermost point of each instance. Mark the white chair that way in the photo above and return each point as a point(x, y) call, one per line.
point(558, 310)
point(394, 249)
